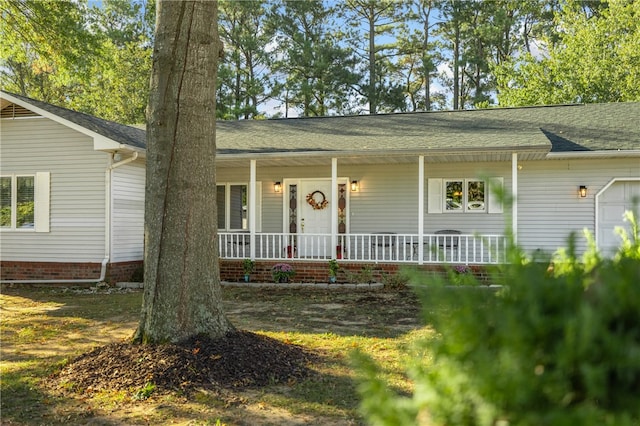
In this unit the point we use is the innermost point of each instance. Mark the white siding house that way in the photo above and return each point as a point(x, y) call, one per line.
point(88, 195)
point(127, 212)
point(405, 165)
point(383, 190)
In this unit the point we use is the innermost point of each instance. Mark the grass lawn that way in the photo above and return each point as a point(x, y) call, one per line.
point(42, 329)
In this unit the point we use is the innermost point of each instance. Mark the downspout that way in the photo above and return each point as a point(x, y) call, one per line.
point(107, 233)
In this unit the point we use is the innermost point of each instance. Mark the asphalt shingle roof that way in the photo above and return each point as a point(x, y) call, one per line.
point(561, 128)
point(589, 127)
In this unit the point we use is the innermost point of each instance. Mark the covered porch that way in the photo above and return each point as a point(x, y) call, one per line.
point(408, 220)
point(401, 189)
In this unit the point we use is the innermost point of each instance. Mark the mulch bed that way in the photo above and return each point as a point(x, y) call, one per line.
point(240, 359)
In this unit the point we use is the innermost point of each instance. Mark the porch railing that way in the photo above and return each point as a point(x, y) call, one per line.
point(376, 247)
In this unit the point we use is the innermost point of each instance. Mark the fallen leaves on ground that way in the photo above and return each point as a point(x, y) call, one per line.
point(238, 360)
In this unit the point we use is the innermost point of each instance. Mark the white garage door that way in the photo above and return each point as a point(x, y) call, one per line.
point(613, 202)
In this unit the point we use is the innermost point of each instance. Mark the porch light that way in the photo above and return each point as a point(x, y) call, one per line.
point(582, 191)
point(354, 186)
point(277, 187)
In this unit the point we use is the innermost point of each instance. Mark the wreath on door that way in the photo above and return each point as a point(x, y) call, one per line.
point(317, 200)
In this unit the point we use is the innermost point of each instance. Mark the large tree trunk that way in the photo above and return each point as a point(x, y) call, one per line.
point(182, 278)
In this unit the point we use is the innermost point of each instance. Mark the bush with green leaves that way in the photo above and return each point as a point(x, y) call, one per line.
point(559, 344)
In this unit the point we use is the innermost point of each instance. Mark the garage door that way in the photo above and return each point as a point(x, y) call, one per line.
point(613, 202)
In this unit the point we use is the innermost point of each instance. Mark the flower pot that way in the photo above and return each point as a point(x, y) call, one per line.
point(246, 278)
point(283, 280)
point(332, 279)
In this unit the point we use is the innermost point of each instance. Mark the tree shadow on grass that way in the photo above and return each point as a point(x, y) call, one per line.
point(329, 393)
point(373, 313)
point(27, 397)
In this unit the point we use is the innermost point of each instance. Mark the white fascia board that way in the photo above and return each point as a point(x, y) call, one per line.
point(101, 143)
point(593, 154)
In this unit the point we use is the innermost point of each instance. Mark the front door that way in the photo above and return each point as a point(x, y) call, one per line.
point(314, 220)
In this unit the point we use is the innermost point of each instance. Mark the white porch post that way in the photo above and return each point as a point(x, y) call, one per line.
point(420, 210)
point(253, 203)
point(334, 209)
point(514, 192)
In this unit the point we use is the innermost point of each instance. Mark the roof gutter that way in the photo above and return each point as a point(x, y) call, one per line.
point(594, 154)
point(107, 233)
point(139, 152)
point(380, 152)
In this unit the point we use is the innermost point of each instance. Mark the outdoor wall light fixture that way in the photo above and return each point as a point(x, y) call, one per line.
point(277, 187)
point(582, 191)
point(354, 186)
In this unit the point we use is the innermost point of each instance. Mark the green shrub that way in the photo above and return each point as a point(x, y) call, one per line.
point(557, 345)
point(398, 280)
point(365, 275)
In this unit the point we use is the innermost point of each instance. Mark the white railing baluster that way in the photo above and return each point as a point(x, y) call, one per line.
point(374, 247)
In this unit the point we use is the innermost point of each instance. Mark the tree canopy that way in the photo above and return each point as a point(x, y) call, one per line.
point(94, 59)
point(320, 57)
point(596, 58)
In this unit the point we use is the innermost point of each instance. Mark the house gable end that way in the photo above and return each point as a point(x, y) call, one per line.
point(106, 134)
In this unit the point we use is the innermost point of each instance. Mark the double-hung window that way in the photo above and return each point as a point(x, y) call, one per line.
point(24, 202)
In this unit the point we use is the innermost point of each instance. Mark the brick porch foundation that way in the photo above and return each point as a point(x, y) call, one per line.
point(230, 270)
point(318, 272)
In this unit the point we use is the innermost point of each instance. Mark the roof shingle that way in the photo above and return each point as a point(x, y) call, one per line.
point(560, 128)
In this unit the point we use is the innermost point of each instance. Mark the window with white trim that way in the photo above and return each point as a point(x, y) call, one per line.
point(233, 206)
point(463, 195)
point(24, 202)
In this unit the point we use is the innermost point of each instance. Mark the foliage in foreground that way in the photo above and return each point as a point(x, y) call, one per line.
point(557, 345)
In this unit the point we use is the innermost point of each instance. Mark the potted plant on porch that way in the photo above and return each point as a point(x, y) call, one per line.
point(281, 272)
point(248, 266)
point(333, 270)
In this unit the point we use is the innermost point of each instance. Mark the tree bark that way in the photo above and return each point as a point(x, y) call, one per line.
point(182, 292)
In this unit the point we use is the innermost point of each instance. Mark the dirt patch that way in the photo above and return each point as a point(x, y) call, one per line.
point(43, 328)
point(239, 360)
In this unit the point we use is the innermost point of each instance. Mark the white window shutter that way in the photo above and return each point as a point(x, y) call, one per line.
point(495, 204)
point(435, 198)
point(258, 206)
point(41, 204)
